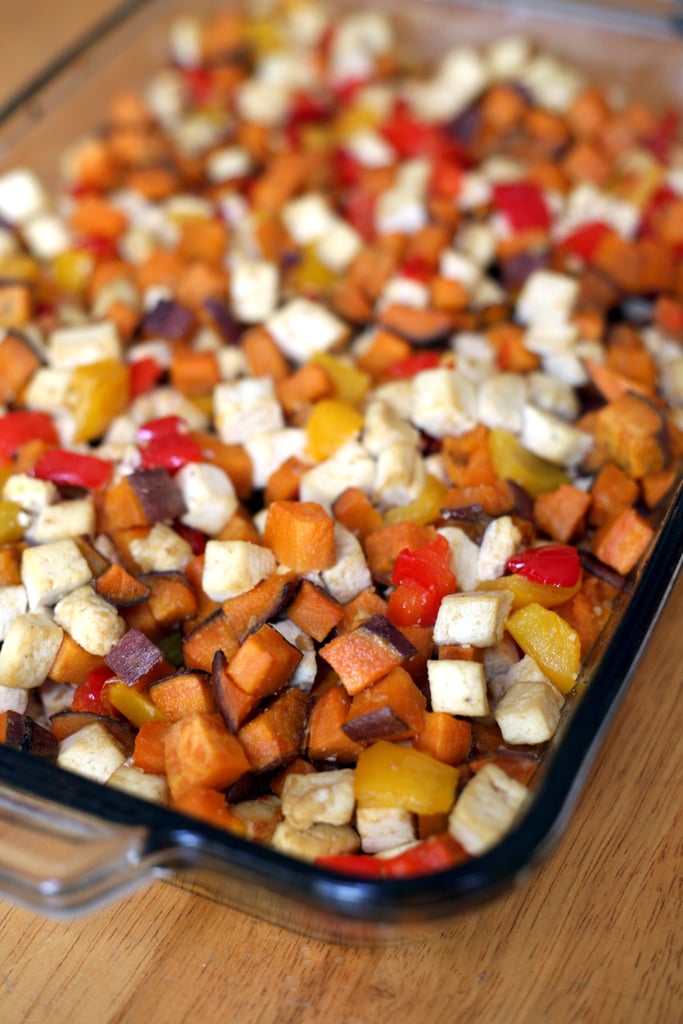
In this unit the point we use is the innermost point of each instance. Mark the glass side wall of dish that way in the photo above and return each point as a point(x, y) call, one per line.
point(340, 397)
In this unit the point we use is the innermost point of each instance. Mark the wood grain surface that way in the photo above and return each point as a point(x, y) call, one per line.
point(595, 936)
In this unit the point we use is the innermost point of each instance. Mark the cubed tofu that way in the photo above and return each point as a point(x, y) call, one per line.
point(320, 840)
point(31, 494)
point(443, 403)
point(92, 752)
point(529, 712)
point(464, 556)
point(384, 427)
point(269, 449)
point(12, 698)
point(384, 828)
point(243, 408)
point(339, 246)
point(162, 550)
point(22, 196)
point(308, 217)
point(350, 466)
point(28, 650)
point(303, 327)
point(472, 618)
point(486, 809)
point(552, 438)
point(232, 567)
point(400, 475)
point(209, 496)
point(458, 687)
point(350, 573)
point(13, 602)
point(46, 236)
point(321, 798)
point(500, 400)
point(137, 783)
point(501, 540)
point(91, 621)
point(228, 163)
point(49, 571)
point(254, 286)
point(547, 296)
point(75, 518)
point(68, 347)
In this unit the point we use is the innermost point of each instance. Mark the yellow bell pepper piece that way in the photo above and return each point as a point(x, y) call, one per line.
point(391, 776)
point(549, 639)
point(329, 426)
point(528, 592)
point(425, 508)
point(11, 527)
point(97, 393)
point(137, 708)
point(72, 269)
point(350, 383)
point(511, 461)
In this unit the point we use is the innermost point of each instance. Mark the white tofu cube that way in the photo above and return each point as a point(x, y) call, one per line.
point(472, 618)
point(46, 236)
point(22, 196)
point(14, 699)
point(529, 712)
point(553, 394)
point(91, 752)
point(91, 621)
point(443, 403)
point(162, 550)
point(350, 573)
point(243, 408)
point(350, 466)
point(320, 840)
point(400, 211)
point(384, 427)
point(140, 784)
point(458, 687)
point(400, 475)
point(28, 650)
point(464, 556)
point(320, 798)
point(254, 286)
point(384, 828)
point(308, 218)
point(486, 809)
point(339, 246)
point(500, 400)
point(269, 449)
point(228, 163)
point(232, 567)
point(552, 438)
point(13, 602)
point(303, 327)
point(501, 540)
point(64, 519)
point(547, 296)
point(30, 493)
point(265, 103)
point(209, 496)
point(50, 571)
point(68, 347)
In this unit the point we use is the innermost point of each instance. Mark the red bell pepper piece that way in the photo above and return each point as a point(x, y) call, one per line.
point(144, 374)
point(404, 369)
point(73, 469)
point(426, 566)
point(90, 695)
point(161, 428)
point(584, 240)
point(522, 204)
point(437, 853)
point(422, 577)
point(359, 209)
point(199, 83)
point(360, 864)
point(417, 268)
point(557, 565)
point(195, 538)
point(170, 453)
point(21, 426)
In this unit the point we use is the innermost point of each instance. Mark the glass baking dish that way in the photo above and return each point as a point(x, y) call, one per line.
point(68, 845)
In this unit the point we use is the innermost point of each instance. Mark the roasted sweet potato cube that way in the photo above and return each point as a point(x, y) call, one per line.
point(275, 736)
point(264, 662)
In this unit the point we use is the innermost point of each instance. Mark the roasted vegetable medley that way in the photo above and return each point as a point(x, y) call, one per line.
point(340, 394)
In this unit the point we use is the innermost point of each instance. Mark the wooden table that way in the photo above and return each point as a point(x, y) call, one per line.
point(596, 936)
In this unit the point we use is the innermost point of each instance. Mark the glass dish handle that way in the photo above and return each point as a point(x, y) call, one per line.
point(58, 861)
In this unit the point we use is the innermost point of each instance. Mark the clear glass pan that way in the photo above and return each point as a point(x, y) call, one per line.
point(67, 845)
